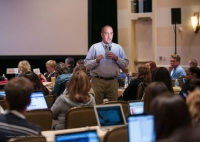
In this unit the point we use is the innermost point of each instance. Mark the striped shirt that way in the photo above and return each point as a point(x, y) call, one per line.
point(13, 124)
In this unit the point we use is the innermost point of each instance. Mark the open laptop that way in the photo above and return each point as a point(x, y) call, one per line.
point(83, 136)
point(109, 116)
point(37, 101)
point(2, 94)
point(141, 128)
point(136, 107)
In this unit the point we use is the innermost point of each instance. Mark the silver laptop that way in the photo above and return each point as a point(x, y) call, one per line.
point(136, 107)
point(83, 136)
point(141, 128)
point(109, 116)
point(37, 101)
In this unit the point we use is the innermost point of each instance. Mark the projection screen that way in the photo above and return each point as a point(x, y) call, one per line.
point(43, 27)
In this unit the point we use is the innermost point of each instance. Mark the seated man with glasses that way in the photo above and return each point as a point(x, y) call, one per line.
point(175, 69)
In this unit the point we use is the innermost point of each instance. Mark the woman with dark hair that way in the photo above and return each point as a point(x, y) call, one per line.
point(151, 91)
point(161, 74)
point(77, 95)
point(143, 76)
point(192, 73)
point(151, 65)
point(63, 76)
point(36, 82)
point(170, 113)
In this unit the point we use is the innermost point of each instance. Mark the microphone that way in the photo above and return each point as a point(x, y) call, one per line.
point(109, 47)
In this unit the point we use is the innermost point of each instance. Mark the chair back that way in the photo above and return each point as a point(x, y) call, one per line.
point(3, 104)
point(119, 134)
point(43, 118)
point(50, 100)
point(80, 117)
point(125, 107)
point(140, 90)
point(28, 139)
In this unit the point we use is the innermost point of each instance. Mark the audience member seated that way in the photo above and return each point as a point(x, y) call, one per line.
point(161, 74)
point(143, 76)
point(23, 67)
point(37, 84)
point(50, 66)
point(80, 68)
point(193, 103)
point(13, 123)
point(121, 78)
point(187, 134)
point(77, 95)
point(193, 72)
point(193, 63)
point(69, 62)
point(1, 110)
point(80, 62)
point(175, 69)
point(170, 113)
point(151, 65)
point(151, 91)
point(63, 76)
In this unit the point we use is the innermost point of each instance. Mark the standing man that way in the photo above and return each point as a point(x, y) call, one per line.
point(104, 60)
point(69, 62)
point(175, 69)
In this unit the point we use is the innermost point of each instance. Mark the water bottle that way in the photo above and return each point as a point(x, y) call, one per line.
point(176, 83)
point(126, 82)
point(130, 77)
point(4, 77)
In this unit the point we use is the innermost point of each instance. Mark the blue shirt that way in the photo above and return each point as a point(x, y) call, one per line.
point(177, 72)
point(106, 67)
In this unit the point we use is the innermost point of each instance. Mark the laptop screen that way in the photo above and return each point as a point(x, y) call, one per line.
point(37, 101)
point(136, 107)
point(109, 115)
point(141, 128)
point(84, 136)
point(2, 94)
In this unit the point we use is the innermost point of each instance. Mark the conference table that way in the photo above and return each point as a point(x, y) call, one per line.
point(50, 135)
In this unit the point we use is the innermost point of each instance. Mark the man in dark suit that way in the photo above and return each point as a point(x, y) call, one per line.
point(13, 123)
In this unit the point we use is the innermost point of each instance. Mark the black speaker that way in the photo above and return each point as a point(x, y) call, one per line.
point(176, 15)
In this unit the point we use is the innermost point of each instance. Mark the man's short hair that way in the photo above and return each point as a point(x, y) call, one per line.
point(18, 92)
point(102, 30)
point(176, 56)
point(69, 61)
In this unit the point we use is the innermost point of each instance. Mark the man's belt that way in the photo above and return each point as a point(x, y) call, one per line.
point(105, 78)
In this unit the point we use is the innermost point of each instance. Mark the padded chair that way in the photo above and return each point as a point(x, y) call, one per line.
point(3, 104)
point(124, 104)
point(119, 134)
point(50, 100)
point(43, 118)
point(80, 117)
point(140, 90)
point(28, 139)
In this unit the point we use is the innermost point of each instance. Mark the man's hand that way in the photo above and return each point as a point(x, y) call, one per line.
point(99, 58)
point(170, 68)
point(112, 56)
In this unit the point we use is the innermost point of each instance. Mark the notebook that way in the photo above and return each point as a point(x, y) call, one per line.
point(37, 101)
point(109, 116)
point(136, 107)
point(141, 128)
point(83, 136)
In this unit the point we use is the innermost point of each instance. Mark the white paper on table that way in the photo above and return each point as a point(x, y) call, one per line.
point(36, 71)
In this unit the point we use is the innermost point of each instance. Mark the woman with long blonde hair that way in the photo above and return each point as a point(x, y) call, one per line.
point(76, 95)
